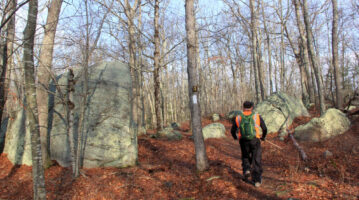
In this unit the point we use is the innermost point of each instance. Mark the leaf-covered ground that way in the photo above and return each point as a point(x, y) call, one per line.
point(166, 170)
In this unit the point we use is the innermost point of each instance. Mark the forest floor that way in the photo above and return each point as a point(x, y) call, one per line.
point(166, 170)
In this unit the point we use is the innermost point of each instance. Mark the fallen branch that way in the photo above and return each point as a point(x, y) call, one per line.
point(274, 145)
point(352, 112)
point(303, 155)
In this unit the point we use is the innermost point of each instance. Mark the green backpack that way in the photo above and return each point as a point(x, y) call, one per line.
point(247, 127)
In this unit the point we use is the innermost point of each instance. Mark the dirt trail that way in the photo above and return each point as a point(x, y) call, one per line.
point(166, 170)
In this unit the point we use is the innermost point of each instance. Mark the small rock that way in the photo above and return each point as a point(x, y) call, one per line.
point(141, 131)
point(327, 154)
point(168, 184)
point(215, 117)
point(281, 138)
point(175, 125)
point(169, 134)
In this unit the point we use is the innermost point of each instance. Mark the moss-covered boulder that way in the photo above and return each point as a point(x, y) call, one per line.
point(233, 114)
point(110, 139)
point(280, 109)
point(215, 130)
point(168, 133)
point(332, 123)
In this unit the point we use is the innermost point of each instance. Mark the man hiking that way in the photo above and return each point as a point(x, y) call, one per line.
point(247, 126)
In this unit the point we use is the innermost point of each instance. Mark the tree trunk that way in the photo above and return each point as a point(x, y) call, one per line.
point(70, 119)
point(282, 67)
point(140, 72)
point(269, 50)
point(6, 46)
point(261, 78)
point(85, 64)
point(313, 57)
point(130, 14)
point(43, 73)
point(254, 48)
point(200, 149)
point(337, 77)
point(31, 107)
point(10, 76)
point(303, 76)
point(156, 73)
point(304, 52)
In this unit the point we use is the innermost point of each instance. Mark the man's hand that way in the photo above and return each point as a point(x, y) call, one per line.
point(263, 139)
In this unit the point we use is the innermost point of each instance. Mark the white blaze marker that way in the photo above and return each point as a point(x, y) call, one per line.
point(194, 99)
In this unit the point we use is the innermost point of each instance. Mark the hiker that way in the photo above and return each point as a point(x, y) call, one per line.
point(247, 126)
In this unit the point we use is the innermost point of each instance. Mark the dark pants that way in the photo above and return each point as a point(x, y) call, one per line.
point(251, 158)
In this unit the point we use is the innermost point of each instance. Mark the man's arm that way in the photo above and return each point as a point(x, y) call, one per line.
point(234, 129)
point(264, 128)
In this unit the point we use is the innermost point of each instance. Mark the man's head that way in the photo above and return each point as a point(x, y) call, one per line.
point(248, 105)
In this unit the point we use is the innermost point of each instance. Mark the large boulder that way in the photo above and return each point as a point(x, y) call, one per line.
point(230, 115)
point(214, 130)
point(332, 123)
point(18, 140)
point(2, 134)
point(110, 139)
point(280, 109)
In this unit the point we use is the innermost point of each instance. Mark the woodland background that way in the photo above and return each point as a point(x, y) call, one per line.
point(244, 50)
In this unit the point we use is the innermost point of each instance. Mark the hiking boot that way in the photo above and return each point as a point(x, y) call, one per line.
point(247, 174)
point(257, 184)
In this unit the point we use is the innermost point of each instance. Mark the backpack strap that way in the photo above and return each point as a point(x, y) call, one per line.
point(238, 120)
point(255, 118)
point(256, 125)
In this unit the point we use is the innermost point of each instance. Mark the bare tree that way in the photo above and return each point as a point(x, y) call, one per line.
point(254, 49)
point(9, 82)
point(6, 48)
point(200, 149)
point(87, 51)
point(269, 49)
point(31, 104)
point(337, 77)
point(303, 50)
point(156, 72)
point(313, 57)
point(43, 73)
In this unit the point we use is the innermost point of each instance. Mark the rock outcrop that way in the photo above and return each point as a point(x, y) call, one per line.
point(332, 123)
point(280, 109)
point(110, 139)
